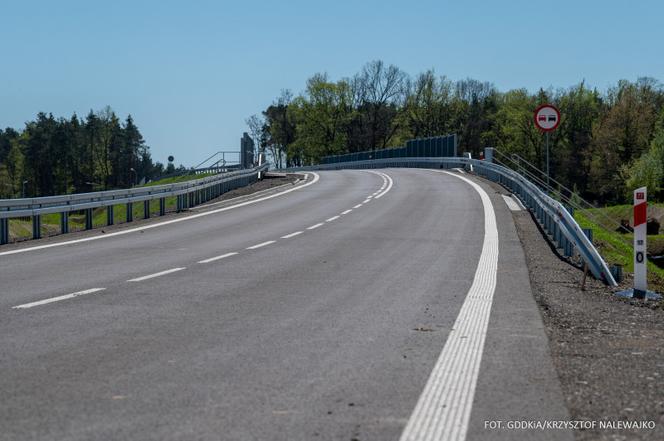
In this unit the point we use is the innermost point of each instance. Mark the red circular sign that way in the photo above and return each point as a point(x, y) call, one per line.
point(547, 117)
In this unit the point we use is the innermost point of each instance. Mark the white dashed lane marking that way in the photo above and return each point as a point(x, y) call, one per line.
point(159, 274)
point(223, 256)
point(288, 236)
point(59, 298)
point(261, 245)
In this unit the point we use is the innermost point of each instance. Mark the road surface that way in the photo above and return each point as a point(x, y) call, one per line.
point(324, 310)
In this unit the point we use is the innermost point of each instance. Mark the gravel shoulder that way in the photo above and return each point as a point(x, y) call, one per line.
point(608, 352)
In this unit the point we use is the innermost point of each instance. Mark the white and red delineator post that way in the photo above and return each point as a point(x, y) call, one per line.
point(640, 246)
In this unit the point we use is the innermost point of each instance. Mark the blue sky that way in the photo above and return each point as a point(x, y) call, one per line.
point(190, 72)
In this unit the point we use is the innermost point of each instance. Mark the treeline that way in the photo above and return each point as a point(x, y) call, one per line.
point(607, 143)
point(57, 156)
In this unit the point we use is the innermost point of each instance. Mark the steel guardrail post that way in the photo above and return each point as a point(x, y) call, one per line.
point(36, 226)
point(88, 218)
point(64, 222)
point(146, 209)
point(4, 231)
point(109, 215)
point(130, 212)
point(162, 206)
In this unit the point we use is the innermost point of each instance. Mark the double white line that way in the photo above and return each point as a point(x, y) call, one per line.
point(443, 410)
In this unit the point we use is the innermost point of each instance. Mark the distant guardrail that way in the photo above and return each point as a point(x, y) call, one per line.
point(562, 229)
point(189, 194)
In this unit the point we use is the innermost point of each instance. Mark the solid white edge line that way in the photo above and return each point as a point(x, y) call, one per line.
point(159, 224)
point(333, 218)
point(223, 256)
point(313, 227)
point(288, 236)
point(256, 194)
point(443, 409)
point(57, 299)
point(347, 211)
point(160, 273)
point(261, 245)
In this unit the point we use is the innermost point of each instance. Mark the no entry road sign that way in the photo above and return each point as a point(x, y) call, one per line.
point(547, 117)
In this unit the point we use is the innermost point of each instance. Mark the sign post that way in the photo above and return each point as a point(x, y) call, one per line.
point(640, 242)
point(547, 119)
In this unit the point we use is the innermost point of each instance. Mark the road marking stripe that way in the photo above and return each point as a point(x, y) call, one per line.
point(152, 276)
point(223, 256)
point(261, 245)
point(248, 196)
point(518, 201)
point(159, 224)
point(511, 204)
point(313, 227)
point(357, 206)
point(333, 218)
point(57, 299)
point(347, 211)
point(443, 409)
point(366, 201)
point(288, 236)
point(388, 188)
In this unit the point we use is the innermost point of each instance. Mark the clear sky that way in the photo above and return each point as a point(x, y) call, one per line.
point(190, 72)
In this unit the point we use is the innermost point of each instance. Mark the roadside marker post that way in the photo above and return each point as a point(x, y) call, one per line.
point(640, 242)
point(640, 290)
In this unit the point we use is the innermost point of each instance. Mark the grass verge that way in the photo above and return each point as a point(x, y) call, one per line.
point(617, 248)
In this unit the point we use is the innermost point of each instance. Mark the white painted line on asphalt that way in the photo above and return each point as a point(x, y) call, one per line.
point(223, 256)
point(347, 211)
point(261, 245)
point(518, 201)
point(159, 224)
point(366, 201)
point(388, 188)
point(248, 196)
point(313, 227)
point(511, 204)
point(152, 276)
point(288, 236)
point(57, 299)
point(333, 218)
point(369, 197)
point(443, 410)
point(357, 206)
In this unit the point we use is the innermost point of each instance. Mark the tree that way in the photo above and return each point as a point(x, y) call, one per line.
point(648, 169)
point(623, 133)
point(379, 90)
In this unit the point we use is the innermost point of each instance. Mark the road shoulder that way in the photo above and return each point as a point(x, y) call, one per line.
point(517, 379)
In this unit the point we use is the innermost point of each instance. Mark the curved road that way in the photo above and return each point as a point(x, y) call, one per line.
point(319, 313)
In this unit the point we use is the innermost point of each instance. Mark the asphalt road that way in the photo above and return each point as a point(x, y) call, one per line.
point(289, 318)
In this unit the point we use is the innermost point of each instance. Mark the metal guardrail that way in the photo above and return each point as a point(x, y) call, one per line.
point(563, 231)
point(189, 194)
